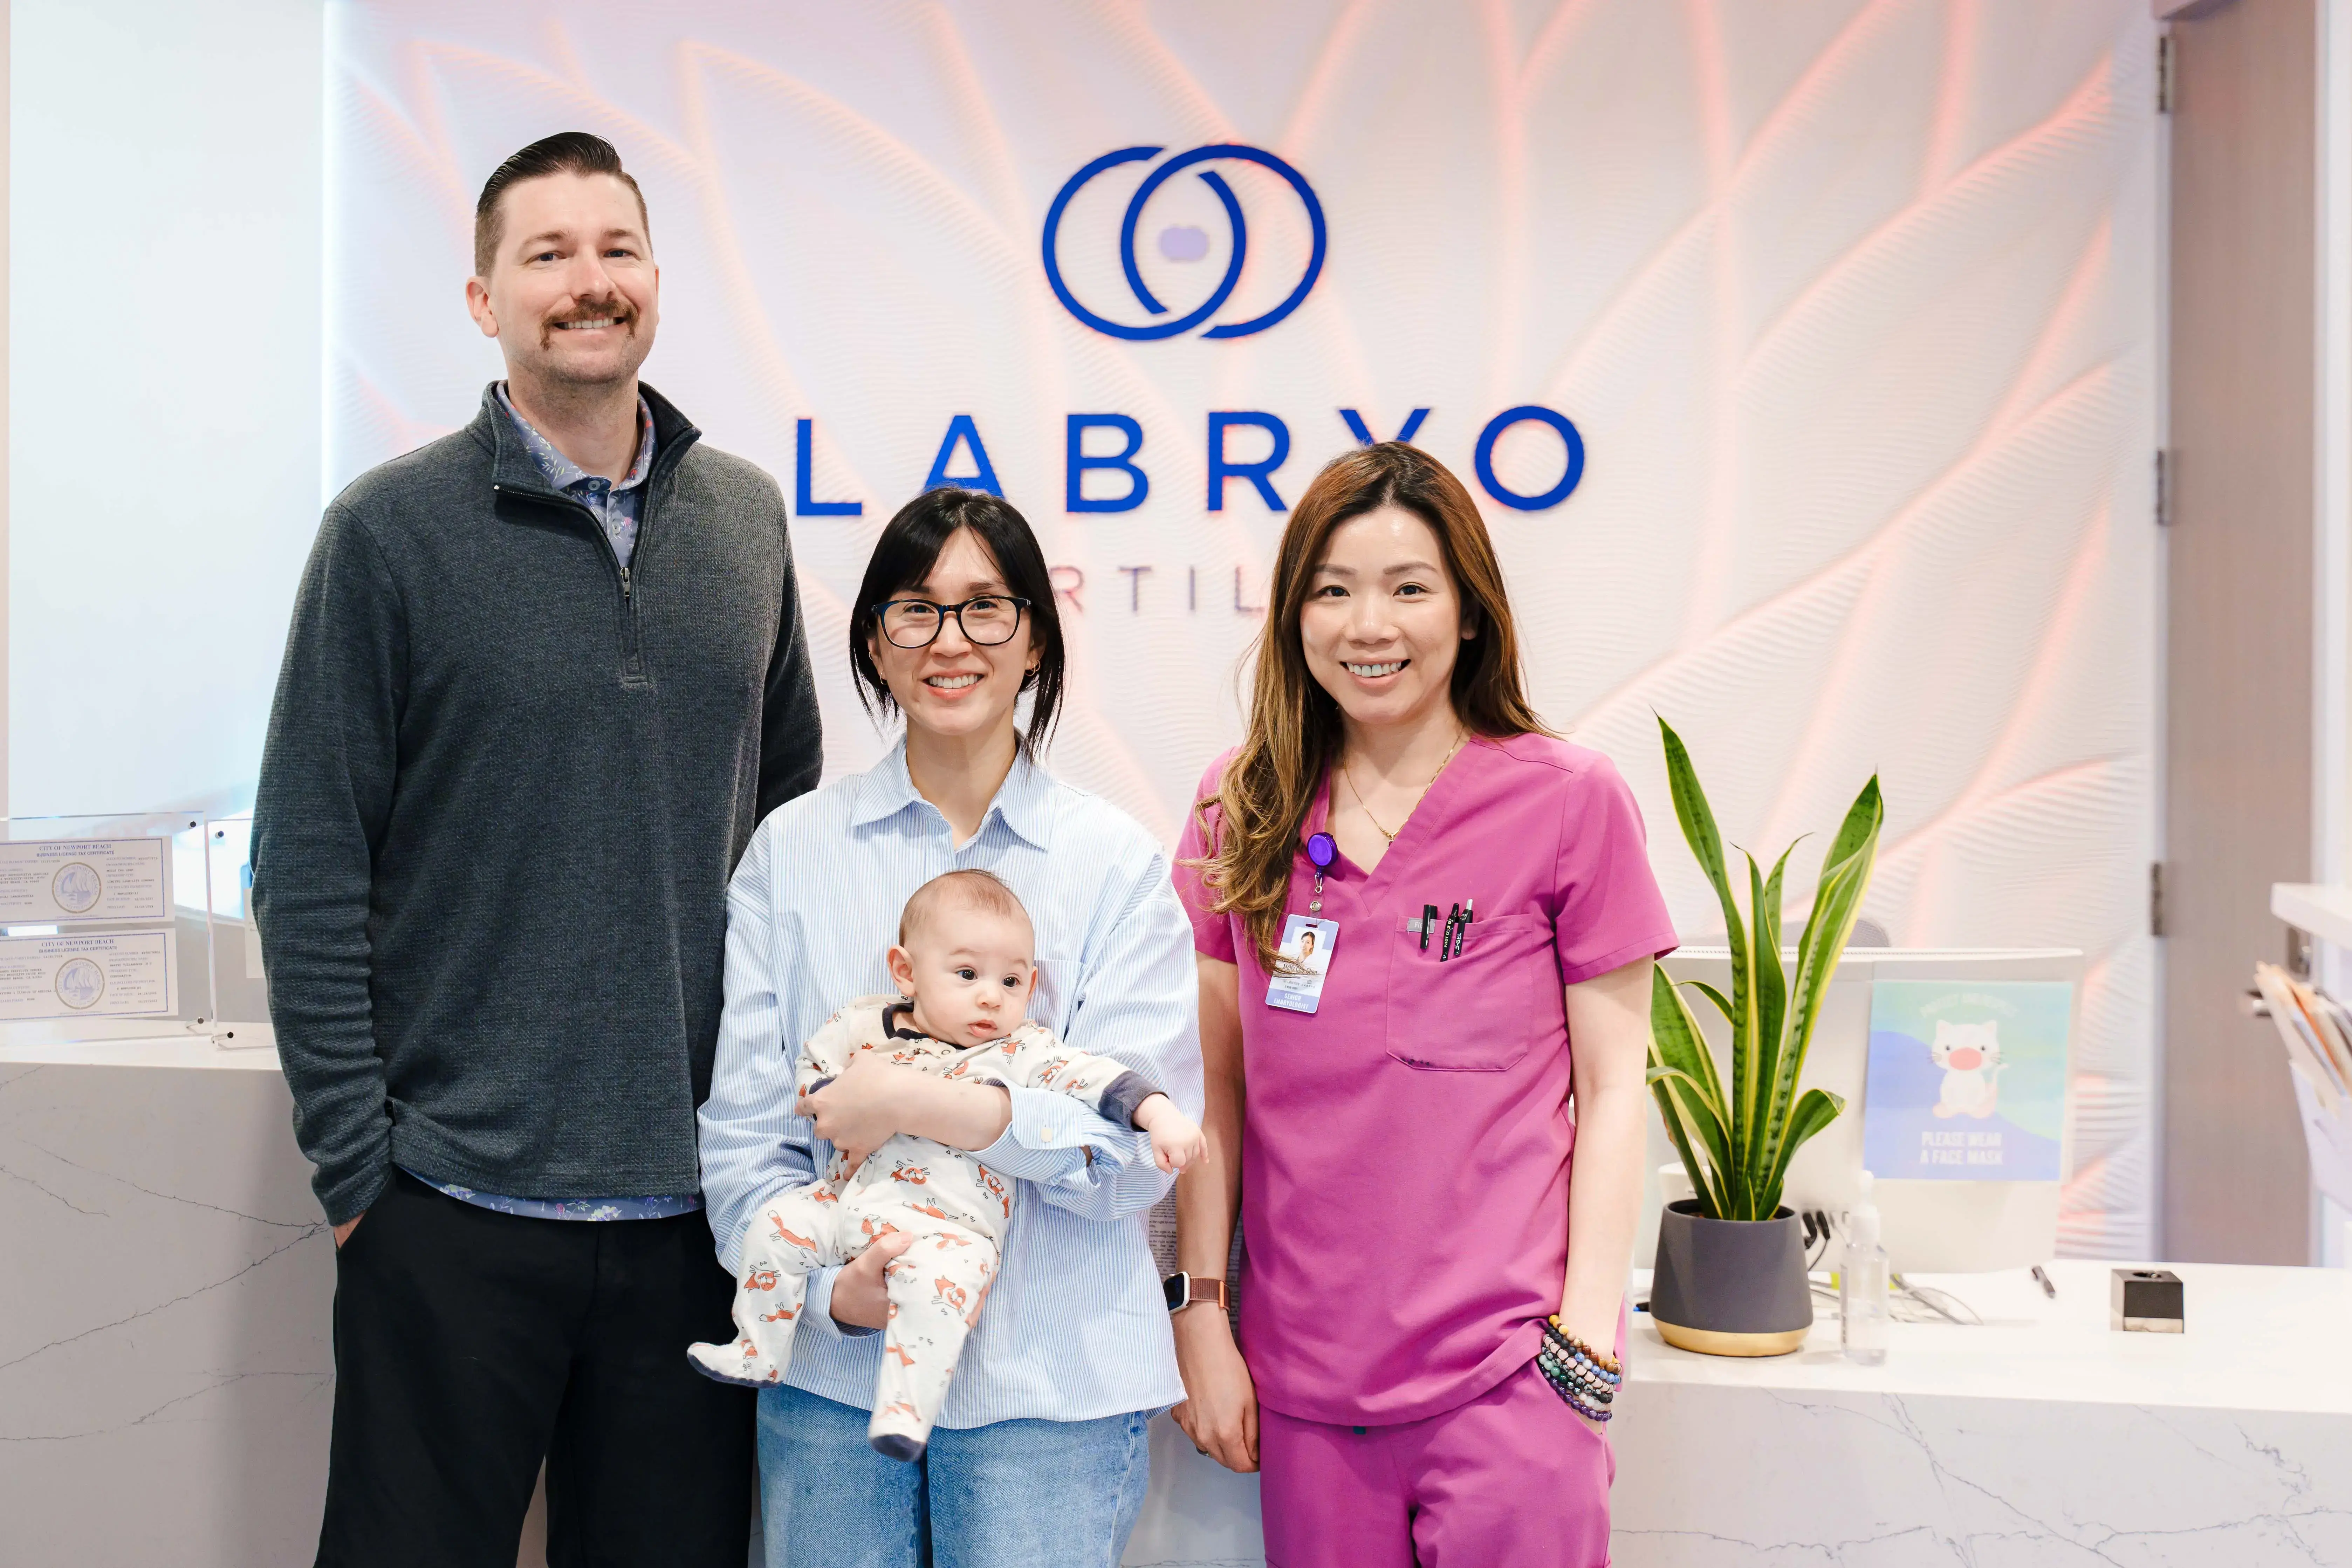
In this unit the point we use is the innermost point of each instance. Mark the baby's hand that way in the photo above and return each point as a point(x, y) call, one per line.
point(1177, 1142)
point(1176, 1139)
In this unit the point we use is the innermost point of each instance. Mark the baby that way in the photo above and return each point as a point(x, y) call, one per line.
point(963, 961)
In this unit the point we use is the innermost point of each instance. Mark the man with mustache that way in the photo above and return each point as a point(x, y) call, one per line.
point(545, 676)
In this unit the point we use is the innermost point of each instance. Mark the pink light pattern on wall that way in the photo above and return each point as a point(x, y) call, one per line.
point(1854, 301)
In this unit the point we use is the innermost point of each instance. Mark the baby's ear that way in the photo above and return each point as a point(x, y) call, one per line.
point(902, 969)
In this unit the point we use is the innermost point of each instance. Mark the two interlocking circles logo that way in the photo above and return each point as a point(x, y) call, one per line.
point(1185, 244)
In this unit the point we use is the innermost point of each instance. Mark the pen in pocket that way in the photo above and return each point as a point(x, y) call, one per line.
point(1457, 929)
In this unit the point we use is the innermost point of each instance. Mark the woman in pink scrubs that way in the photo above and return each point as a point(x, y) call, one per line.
point(1400, 1155)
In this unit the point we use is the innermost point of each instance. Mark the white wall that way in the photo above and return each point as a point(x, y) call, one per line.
point(164, 426)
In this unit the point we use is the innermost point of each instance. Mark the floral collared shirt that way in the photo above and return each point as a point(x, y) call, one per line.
point(616, 506)
point(658, 1207)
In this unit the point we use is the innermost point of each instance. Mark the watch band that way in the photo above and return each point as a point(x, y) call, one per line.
point(1185, 1290)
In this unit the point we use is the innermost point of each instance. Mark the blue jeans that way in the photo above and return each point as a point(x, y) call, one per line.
point(1016, 1494)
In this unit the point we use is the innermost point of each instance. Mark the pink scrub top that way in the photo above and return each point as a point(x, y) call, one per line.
point(1405, 1157)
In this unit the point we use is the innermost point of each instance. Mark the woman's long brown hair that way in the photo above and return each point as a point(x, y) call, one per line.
point(1294, 729)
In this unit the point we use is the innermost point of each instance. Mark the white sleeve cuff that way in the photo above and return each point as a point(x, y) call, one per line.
point(1049, 1137)
point(816, 1307)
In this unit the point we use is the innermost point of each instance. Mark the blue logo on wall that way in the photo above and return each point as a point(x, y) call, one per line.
point(1184, 244)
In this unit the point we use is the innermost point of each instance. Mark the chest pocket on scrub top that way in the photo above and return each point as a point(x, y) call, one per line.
point(1476, 1011)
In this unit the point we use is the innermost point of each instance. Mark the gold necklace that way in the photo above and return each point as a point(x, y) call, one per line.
point(1361, 805)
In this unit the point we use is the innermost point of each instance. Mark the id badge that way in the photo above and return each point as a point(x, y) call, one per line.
point(1308, 943)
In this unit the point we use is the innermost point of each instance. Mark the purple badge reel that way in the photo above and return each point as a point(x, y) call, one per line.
point(1307, 941)
point(1321, 850)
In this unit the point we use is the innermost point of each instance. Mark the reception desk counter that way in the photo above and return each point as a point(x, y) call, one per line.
point(165, 1382)
point(166, 1368)
point(2043, 1437)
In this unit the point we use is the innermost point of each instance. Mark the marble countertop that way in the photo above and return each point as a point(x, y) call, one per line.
point(2255, 1339)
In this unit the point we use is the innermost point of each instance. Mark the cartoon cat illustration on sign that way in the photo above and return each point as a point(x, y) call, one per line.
point(1969, 1054)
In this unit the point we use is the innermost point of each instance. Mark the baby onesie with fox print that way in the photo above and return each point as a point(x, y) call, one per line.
point(955, 1207)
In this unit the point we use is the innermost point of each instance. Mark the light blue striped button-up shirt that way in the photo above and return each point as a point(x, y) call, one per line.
point(1075, 1327)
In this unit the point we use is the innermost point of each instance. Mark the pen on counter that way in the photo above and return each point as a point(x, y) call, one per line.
point(2042, 1279)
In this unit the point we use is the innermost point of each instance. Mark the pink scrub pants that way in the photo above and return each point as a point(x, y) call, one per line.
point(1513, 1477)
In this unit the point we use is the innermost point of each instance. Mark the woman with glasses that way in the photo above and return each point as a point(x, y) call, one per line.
point(1040, 1455)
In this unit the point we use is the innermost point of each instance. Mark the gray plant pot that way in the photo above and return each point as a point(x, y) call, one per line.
point(1728, 1287)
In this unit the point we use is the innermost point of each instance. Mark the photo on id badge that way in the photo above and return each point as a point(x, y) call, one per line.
point(1307, 944)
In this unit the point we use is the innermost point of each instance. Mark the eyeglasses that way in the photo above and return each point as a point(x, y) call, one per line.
point(986, 620)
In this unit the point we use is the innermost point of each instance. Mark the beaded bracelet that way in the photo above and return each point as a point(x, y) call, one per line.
point(1569, 1374)
point(1565, 1378)
point(1573, 1398)
point(1574, 1346)
point(1580, 1361)
point(1584, 1384)
point(1569, 1344)
point(1583, 1378)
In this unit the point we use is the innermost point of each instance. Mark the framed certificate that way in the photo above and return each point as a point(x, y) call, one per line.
point(57, 881)
point(127, 976)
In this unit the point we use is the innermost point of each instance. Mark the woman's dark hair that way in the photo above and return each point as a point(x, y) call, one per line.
point(904, 556)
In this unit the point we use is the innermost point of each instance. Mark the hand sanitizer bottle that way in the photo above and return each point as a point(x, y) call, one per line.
point(1861, 1283)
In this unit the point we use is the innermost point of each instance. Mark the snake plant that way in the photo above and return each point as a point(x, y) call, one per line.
point(1737, 1143)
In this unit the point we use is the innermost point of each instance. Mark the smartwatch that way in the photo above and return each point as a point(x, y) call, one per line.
point(1183, 1291)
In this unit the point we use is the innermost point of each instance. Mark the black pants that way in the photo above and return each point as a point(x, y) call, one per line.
point(471, 1344)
